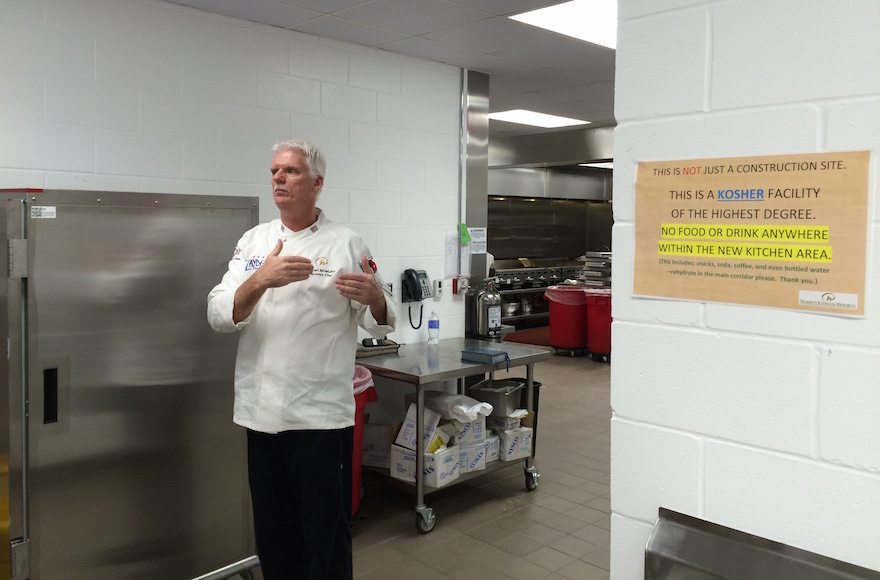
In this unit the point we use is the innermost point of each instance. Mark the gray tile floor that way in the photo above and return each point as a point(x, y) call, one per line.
point(491, 527)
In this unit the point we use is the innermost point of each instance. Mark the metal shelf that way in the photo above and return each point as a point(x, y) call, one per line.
point(518, 317)
point(491, 466)
point(522, 290)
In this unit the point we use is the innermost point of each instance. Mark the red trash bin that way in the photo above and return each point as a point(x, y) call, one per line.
point(568, 316)
point(364, 392)
point(598, 320)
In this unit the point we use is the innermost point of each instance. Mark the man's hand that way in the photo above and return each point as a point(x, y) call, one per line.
point(363, 288)
point(275, 272)
point(278, 270)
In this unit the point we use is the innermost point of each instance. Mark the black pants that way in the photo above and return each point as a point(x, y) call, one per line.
point(301, 492)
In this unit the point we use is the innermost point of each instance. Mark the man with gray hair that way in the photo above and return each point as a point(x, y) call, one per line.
point(296, 289)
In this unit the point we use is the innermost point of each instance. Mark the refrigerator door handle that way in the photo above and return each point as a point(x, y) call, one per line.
point(50, 396)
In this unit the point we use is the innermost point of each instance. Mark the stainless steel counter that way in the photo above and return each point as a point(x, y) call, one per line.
point(421, 365)
point(417, 364)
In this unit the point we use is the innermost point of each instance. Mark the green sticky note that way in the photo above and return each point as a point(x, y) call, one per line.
point(465, 235)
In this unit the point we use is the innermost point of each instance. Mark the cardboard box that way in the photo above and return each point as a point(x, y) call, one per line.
point(440, 468)
point(407, 436)
point(515, 444)
point(376, 448)
point(471, 432)
point(502, 423)
point(471, 457)
point(443, 437)
point(492, 448)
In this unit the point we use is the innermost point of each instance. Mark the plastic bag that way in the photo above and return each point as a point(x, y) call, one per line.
point(570, 295)
point(454, 407)
point(363, 379)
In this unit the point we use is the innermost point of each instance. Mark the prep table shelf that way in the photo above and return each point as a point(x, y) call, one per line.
point(411, 365)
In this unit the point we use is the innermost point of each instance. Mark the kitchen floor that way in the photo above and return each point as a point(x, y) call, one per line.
point(490, 527)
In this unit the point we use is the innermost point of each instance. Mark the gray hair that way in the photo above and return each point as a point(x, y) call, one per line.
point(314, 158)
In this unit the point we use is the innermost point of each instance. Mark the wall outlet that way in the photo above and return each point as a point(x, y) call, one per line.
point(438, 288)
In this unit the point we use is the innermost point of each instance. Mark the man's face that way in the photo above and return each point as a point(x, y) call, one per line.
point(294, 189)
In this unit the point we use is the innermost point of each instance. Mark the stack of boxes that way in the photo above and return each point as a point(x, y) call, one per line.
point(507, 421)
point(451, 448)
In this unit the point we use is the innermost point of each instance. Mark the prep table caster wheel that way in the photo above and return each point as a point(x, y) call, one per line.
point(425, 522)
point(532, 480)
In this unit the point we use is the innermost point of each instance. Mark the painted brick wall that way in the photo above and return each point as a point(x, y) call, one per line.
point(759, 419)
point(147, 96)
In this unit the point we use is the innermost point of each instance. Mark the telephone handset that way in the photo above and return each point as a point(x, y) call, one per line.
point(416, 286)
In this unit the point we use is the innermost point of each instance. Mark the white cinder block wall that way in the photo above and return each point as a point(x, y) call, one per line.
point(763, 420)
point(147, 96)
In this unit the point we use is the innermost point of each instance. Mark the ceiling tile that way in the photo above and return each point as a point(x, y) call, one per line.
point(429, 50)
point(492, 36)
point(322, 6)
point(413, 17)
point(506, 7)
point(265, 11)
point(339, 29)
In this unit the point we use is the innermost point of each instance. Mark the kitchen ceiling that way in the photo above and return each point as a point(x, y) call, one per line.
point(529, 68)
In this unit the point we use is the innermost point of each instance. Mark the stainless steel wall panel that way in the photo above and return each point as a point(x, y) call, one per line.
point(475, 167)
point(546, 228)
point(600, 218)
point(517, 181)
point(556, 148)
point(565, 185)
point(550, 183)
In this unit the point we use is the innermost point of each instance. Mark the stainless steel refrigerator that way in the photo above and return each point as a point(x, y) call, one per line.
point(120, 458)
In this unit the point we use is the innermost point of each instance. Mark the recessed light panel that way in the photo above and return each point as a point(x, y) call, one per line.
point(524, 117)
point(590, 20)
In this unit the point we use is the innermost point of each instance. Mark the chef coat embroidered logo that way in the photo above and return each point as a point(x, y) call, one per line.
point(314, 229)
point(320, 269)
point(254, 263)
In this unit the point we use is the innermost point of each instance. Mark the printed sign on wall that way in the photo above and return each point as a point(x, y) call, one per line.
point(787, 231)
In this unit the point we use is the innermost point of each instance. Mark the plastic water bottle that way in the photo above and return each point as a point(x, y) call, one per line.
point(433, 329)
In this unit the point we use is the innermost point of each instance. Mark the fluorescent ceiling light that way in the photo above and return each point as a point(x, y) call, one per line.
point(591, 20)
point(601, 165)
point(524, 117)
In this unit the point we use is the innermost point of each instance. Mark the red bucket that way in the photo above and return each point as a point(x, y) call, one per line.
point(364, 392)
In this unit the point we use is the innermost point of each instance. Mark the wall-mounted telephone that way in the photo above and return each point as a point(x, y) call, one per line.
point(416, 286)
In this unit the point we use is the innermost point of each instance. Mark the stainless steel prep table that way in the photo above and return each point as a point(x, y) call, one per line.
point(421, 366)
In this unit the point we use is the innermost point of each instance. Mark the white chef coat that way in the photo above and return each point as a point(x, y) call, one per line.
point(296, 352)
